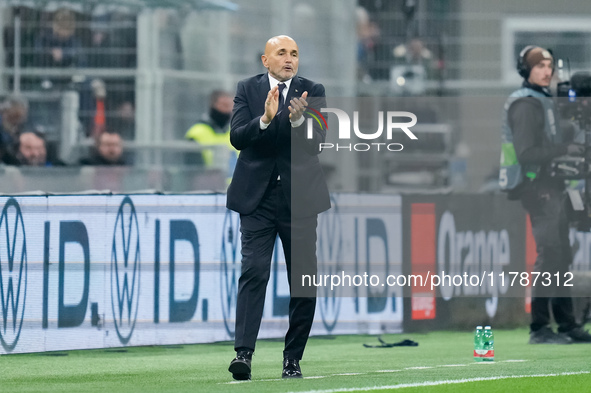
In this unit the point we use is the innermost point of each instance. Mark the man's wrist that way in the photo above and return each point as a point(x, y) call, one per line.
point(298, 122)
point(262, 124)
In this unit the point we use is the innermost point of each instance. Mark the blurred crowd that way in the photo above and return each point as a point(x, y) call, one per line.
point(404, 60)
point(66, 40)
point(24, 144)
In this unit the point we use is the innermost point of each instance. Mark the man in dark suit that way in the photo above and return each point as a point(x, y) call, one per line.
point(278, 188)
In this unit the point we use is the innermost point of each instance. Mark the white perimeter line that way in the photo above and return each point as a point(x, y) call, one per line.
point(443, 382)
point(349, 374)
point(378, 371)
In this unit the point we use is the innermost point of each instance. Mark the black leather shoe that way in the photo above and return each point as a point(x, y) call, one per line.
point(291, 369)
point(240, 366)
point(545, 335)
point(578, 335)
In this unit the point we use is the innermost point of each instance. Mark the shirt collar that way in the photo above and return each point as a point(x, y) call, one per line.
point(274, 82)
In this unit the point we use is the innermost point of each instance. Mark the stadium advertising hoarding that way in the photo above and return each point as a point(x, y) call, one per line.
point(472, 244)
point(96, 271)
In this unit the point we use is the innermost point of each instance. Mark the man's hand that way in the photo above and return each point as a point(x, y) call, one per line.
point(297, 107)
point(271, 105)
point(575, 150)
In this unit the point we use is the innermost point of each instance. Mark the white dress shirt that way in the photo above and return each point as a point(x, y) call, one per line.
point(274, 82)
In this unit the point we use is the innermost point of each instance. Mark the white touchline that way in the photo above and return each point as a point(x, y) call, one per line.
point(442, 382)
point(349, 374)
point(378, 371)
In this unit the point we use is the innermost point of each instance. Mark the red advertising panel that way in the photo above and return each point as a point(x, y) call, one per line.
point(422, 252)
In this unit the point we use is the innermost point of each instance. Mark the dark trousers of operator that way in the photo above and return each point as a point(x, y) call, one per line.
point(546, 206)
point(259, 230)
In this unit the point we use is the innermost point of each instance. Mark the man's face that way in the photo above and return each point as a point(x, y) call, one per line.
point(281, 58)
point(224, 104)
point(541, 73)
point(32, 149)
point(110, 147)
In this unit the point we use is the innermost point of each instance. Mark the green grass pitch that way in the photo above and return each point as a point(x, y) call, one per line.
point(441, 363)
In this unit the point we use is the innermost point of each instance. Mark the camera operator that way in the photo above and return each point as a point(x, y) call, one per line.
point(532, 138)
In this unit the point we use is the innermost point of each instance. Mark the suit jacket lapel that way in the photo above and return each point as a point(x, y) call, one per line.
point(295, 90)
point(263, 90)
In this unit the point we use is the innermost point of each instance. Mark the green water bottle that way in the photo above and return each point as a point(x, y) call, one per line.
point(488, 344)
point(478, 344)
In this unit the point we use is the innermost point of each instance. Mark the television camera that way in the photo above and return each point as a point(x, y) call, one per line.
point(574, 105)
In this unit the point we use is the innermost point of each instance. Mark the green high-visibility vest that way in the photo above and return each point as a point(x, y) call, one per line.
point(512, 173)
point(205, 135)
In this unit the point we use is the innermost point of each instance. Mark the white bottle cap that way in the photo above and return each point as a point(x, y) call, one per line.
point(487, 327)
point(479, 327)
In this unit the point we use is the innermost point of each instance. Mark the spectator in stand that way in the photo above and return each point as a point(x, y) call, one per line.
point(13, 115)
point(31, 150)
point(112, 41)
point(100, 55)
point(107, 152)
point(59, 47)
point(367, 36)
point(113, 45)
point(413, 66)
point(414, 53)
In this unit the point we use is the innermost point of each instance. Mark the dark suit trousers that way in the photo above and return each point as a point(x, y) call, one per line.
point(547, 209)
point(259, 230)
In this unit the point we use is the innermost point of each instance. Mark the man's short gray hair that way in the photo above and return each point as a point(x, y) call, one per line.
point(14, 100)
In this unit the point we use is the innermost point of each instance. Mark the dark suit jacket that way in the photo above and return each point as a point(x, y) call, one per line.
point(279, 145)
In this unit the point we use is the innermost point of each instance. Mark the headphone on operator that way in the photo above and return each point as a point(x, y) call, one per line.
point(522, 67)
